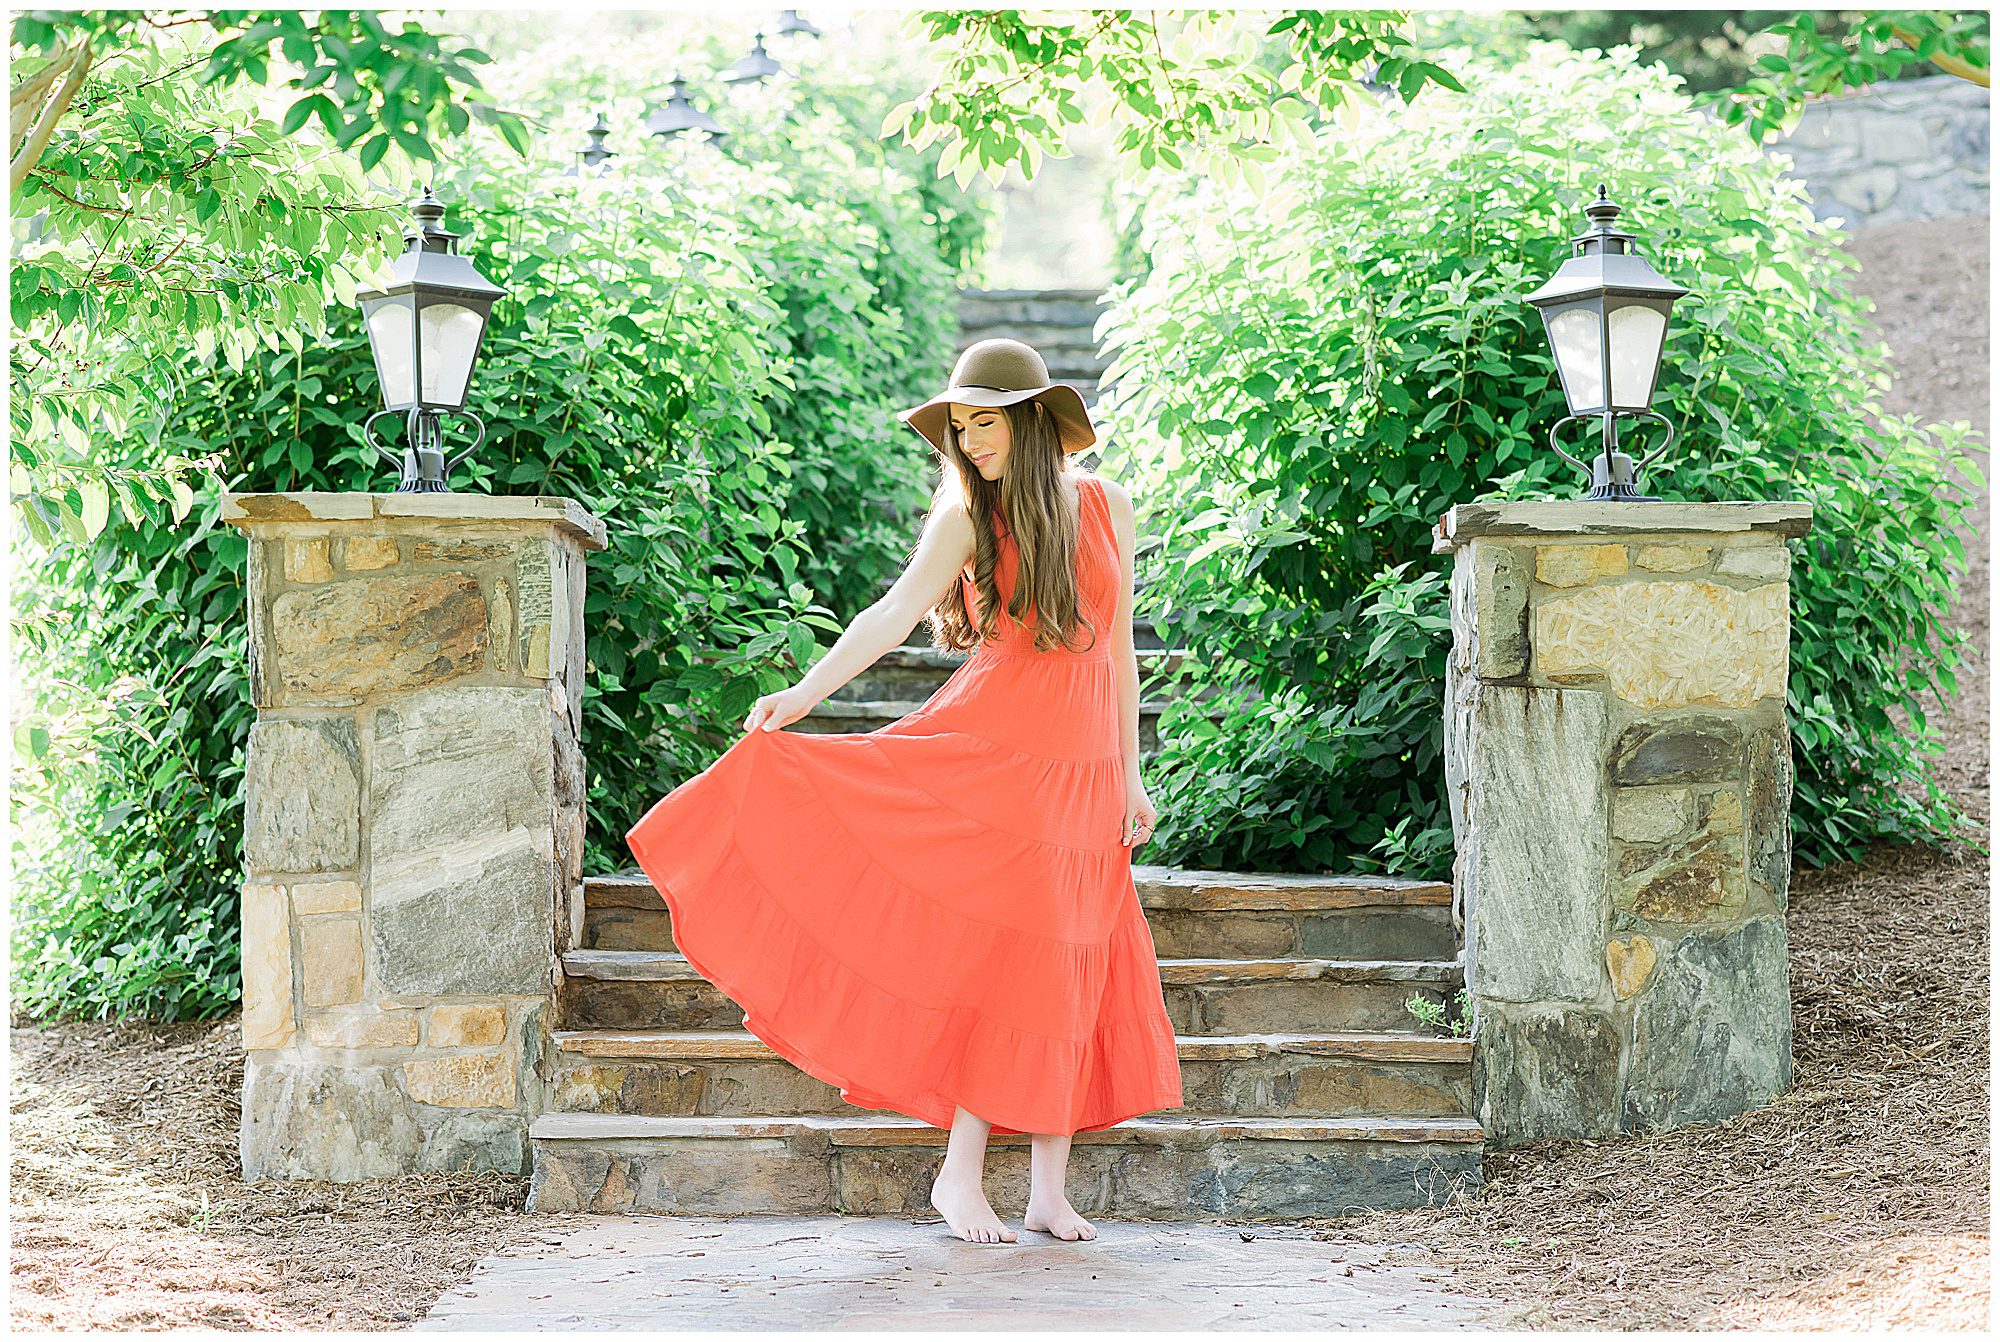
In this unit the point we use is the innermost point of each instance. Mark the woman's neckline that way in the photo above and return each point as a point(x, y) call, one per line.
point(1081, 519)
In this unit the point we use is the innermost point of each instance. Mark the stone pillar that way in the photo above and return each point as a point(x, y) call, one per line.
point(1619, 769)
point(413, 824)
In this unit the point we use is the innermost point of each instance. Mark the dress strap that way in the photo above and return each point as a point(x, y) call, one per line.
point(1095, 491)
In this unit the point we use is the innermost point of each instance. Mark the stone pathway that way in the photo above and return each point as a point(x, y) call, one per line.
point(894, 1273)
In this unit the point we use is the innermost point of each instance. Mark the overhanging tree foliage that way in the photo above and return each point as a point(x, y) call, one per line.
point(164, 211)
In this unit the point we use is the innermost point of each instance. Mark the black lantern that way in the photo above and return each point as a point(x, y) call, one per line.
point(594, 154)
point(681, 115)
point(1605, 311)
point(789, 22)
point(754, 68)
point(425, 327)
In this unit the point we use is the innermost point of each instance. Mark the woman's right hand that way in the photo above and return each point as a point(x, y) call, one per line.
point(779, 708)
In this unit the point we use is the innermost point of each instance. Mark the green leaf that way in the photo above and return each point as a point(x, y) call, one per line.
point(38, 527)
point(513, 131)
point(416, 146)
point(799, 639)
point(296, 115)
point(96, 506)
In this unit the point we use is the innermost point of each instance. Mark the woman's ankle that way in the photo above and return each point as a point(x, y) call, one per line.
point(951, 1174)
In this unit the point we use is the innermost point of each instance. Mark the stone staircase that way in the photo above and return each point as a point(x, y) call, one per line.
point(902, 680)
point(1057, 322)
point(1310, 1090)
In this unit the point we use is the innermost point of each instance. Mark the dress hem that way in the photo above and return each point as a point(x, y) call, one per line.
point(929, 1108)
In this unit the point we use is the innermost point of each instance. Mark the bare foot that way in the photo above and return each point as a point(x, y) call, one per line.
point(964, 1207)
point(1056, 1217)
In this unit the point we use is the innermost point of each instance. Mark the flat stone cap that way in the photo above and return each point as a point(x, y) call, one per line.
point(312, 505)
point(1560, 518)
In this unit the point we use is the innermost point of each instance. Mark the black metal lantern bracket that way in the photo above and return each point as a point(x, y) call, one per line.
point(421, 464)
point(1614, 474)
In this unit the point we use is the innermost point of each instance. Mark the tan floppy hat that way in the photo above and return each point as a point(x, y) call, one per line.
point(1002, 372)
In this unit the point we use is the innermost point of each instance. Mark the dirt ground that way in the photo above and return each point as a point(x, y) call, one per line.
point(1859, 1200)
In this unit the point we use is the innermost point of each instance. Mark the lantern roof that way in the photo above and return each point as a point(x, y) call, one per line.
point(680, 114)
point(431, 261)
point(1604, 264)
point(753, 68)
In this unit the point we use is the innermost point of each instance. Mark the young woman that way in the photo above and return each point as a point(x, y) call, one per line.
point(938, 917)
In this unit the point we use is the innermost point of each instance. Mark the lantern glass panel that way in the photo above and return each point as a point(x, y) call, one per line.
point(450, 333)
point(1577, 334)
point(1637, 334)
point(390, 335)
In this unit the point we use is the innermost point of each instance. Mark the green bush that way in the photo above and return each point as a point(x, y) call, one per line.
point(703, 352)
point(1336, 365)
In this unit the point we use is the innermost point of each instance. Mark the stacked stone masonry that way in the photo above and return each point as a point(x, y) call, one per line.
point(1619, 769)
point(1905, 149)
point(413, 822)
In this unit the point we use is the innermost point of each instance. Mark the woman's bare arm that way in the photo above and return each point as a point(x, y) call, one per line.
point(942, 553)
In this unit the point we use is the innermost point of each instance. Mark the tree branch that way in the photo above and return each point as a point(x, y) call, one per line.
point(30, 90)
point(53, 190)
point(46, 126)
point(1950, 64)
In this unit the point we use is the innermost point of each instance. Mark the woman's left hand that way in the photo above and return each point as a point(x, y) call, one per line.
point(1140, 817)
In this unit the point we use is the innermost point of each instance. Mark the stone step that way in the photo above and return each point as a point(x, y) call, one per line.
point(865, 715)
point(1175, 1168)
point(640, 990)
point(1064, 338)
point(1251, 915)
point(1310, 1074)
point(979, 310)
point(916, 672)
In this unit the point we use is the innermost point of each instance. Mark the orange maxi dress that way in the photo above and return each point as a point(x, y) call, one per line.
point(939, 912)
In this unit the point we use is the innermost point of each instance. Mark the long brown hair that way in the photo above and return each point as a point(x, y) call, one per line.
point(1028, 500)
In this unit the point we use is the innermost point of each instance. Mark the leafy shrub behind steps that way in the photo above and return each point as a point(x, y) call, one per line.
point(706, 356)
point(1334, 367)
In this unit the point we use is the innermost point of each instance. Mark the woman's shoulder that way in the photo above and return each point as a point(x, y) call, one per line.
point(1112, 491)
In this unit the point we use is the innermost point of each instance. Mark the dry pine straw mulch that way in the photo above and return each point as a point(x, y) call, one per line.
point(128, 1212)
point(1857, 1199)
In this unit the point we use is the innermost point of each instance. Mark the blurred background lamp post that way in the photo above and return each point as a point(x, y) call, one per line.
point(425, 327)
point(789, 22)
point(680, 115)
point(1605, 311)
point(754, 68)
point(594, 154)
